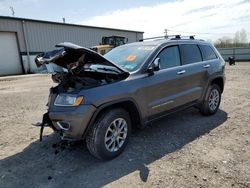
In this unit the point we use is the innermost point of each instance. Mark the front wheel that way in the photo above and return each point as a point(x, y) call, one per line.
point(211, 101)
point(109, 135)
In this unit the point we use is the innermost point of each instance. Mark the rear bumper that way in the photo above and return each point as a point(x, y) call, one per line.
point(76, 120)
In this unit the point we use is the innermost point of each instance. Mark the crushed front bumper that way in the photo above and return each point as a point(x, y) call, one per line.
point(69, 123)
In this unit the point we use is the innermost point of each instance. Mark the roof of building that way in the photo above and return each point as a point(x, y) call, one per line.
point(68, 24)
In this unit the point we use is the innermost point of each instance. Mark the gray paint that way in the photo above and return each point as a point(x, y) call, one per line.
point(154, 94)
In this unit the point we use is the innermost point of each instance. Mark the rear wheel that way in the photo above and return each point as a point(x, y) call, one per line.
point(211, 101)
point(109, 135)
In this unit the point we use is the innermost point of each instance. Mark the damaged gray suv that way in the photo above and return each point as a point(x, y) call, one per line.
point(101, 98)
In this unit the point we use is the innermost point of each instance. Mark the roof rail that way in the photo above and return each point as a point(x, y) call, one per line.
point(189, 37)
point(172, 37)
point(184, 37)
point(160, 37)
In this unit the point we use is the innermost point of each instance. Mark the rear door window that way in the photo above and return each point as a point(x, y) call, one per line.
point(207, 52)
point(169, 57)
point(190, 53)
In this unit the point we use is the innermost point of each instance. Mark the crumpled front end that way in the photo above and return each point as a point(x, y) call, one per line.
point(69, 122)
point(68, 113)
point(82, 68)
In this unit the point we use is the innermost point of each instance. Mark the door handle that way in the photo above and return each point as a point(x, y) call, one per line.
point(206, 66)
point(181, 72)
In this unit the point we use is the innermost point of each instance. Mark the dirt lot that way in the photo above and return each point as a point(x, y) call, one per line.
point(183, 150)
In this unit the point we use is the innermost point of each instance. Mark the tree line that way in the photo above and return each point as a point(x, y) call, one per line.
point(239, 40)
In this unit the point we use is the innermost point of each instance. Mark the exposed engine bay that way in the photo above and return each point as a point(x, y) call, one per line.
point(83, 68)
point(69, 82)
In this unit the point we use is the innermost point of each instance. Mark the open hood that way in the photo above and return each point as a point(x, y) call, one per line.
point(72, 56)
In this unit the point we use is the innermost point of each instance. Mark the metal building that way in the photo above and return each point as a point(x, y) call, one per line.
point(22, 39)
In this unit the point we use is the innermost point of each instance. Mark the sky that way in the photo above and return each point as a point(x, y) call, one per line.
point(207, 19)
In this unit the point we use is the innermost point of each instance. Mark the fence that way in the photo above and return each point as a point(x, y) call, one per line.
point(240, 54)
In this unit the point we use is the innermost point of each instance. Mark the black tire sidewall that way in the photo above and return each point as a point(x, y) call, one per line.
point(103, 125)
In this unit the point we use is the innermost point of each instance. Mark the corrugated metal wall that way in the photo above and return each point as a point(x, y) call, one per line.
point(240, 54)
point(14, 26)
point(42, 36)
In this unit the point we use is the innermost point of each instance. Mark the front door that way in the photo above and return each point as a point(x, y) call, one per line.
point(165, 85)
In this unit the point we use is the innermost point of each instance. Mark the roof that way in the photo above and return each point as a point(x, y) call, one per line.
point(68, 24)
point(158, 42)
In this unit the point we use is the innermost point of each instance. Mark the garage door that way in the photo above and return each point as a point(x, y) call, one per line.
point(9, 55)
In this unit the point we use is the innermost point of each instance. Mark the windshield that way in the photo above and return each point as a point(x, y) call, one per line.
point(129, 57)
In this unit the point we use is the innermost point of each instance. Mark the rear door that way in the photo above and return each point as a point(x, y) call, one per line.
point(210, 59)
point(180, 80)
point(196, 75)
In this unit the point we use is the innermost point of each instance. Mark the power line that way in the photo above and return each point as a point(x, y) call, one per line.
point(198, 33)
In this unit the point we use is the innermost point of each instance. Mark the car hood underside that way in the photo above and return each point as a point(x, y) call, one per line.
point(85, 68)
point(75, 58)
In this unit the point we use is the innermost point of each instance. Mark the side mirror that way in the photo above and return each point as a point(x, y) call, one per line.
point(154, 66)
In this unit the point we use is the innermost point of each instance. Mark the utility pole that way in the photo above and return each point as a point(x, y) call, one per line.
point(12, 11)
point(166, 33)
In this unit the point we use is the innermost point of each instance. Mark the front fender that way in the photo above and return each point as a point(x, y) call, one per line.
point(112, 104)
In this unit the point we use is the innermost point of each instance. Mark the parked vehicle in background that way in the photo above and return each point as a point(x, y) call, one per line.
point(231, 60)
point(101, 98)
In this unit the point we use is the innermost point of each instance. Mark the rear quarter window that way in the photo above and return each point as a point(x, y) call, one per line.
point(207, 52)
point(190, 53)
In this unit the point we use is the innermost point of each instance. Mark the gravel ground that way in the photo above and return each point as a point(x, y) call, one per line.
point(183, 150)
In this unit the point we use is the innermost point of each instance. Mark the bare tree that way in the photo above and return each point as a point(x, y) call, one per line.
point(224, 42)
point(243, 36)
point(239, 40)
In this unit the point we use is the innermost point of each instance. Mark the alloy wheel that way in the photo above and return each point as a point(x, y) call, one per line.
point(116, 135)
point(214, 99)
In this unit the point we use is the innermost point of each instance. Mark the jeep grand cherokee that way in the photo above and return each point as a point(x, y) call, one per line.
point(101, 98)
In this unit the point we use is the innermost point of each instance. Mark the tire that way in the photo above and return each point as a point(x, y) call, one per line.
point(207, 107)
point(105, 132)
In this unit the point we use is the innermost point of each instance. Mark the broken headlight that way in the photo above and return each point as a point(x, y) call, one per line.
point(68, 100)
